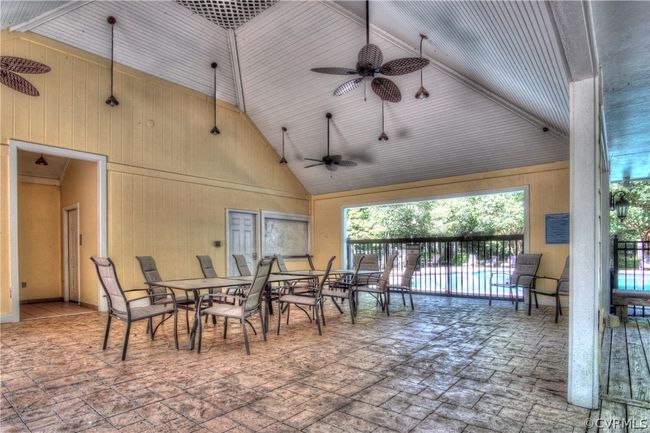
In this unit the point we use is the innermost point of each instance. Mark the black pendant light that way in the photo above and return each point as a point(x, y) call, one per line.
point(112, 100)
point(422, 92)
point(283, 160)
point(41, 160)
point(215, 130)
point(382, 136)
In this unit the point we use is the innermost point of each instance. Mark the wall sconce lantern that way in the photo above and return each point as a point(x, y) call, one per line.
point(618, 202)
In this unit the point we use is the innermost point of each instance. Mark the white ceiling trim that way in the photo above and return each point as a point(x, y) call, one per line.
point(49, 15)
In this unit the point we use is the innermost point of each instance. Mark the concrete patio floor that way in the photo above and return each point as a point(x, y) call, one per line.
point(453, 365)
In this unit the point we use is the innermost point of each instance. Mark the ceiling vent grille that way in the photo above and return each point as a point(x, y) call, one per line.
point(228, 14)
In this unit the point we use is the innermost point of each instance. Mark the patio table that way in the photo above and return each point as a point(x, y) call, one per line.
point(195, 285)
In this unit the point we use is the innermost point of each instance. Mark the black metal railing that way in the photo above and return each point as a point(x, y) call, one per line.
point(631, 268)
point(452, 266)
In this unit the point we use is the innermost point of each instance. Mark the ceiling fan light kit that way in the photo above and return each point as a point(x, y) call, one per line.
point(422, 92)
point(382, 136)
point(112, 100)
point(215, 130)
point(41, 161)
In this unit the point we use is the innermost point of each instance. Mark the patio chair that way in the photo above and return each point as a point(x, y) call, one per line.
point(250, 303)
point(561, 289)
point(412, 260)
point(342, 289)
point(207, 267)
point(310, 261)
point(312, 299)
point(378, 286)
point(122, 309)
point(242, 265)
point(151, 275)
point(523, 276)
point(370, 263)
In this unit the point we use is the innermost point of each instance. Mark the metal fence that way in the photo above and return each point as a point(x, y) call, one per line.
point(452, 266)
point(631, 268)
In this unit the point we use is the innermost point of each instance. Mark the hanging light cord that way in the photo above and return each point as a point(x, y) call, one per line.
point(421, 40)
point(367, 22)
point(112, 48)
point(214, 108)
point(382, 115)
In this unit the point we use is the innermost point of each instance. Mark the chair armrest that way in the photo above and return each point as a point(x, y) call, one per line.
point(151, 297)
point(221, 295)
point(492, 274)
point(136, 290)
point(546, 278)
point(532, 279)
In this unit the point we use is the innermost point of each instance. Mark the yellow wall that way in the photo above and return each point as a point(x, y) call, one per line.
point(79, 185)
point(39, 222)
point(548, 187)
point(169, 180)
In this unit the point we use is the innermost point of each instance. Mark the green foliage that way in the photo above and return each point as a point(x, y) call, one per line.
point(638, 217)
point(490, 214)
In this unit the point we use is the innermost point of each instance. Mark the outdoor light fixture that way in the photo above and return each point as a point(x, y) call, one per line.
point(382, 136)
point(112, 100)
point(41, 160)
point(215, 130)
point(283, 160)
point(422, 92)
point(618, 202)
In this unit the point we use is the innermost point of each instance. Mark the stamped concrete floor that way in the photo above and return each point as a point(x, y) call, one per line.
point(453, 365)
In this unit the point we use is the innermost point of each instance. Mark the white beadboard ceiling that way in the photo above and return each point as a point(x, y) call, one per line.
point(161, 38)
point(14, 12)
point(456, 131)
point(499, 78)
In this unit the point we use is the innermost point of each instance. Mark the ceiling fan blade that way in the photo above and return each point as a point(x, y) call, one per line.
point(17, 83)
point(404, 65)
point(335, 71)
point(336, 158)
point(314, 165)
point(386, 89)
point(313, 159)
point(348, 86)
point(370, 55)
point(331, 167)
point(24, 66)
point(346, 163)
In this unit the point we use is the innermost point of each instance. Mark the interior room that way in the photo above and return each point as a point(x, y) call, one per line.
point(324, 216)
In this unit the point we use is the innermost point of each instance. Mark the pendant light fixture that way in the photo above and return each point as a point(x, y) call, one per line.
point(382, 136)
point(283, 160)
point(422, 92)
point(41, 160)
point(112, 100)
point(215, 130)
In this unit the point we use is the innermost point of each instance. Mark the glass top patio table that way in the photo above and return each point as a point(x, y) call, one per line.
point(320, 273)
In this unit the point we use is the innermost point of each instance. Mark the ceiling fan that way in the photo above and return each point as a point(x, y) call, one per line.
point(369, 64)
point(9, 65)
point(331, 162)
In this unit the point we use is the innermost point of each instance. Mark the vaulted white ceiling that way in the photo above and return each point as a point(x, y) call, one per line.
point(496, 79)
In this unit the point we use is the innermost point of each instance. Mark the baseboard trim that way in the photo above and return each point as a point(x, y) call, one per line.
point(91, 306)
point(40, 300)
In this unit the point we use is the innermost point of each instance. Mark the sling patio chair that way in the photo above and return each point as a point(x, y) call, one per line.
point(151, 275)
point(370, 263)
point(122, 309)
point(312, 300)
point(242, 265)
point(378, 286)
point(249, 303)
point(523, 276)
point(561, 289)
point(342, 289)
point(412, 260)
point(298, 286)
point(310, 261)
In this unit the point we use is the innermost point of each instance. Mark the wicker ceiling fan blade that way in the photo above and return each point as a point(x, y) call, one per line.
point(335, 71)
point(313, 159)
point(404, 65)
point(386, 89)
point(348, 86)
point(314, 165)
point(18, 83)
point(23, 66)
point(346, 163)
point(370, 55)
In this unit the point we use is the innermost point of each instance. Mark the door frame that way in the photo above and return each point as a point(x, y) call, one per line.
point(14, 146)
point(227, 239)
point(66, 251)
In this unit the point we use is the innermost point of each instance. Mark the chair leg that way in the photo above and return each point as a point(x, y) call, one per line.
point(387, 302)
point(126, 339)
point(557, 308)
point(263, 323)
point(536, 303)
point(243, 325)
point(199, 335)
point(559, 304)
point(277, 331)
point(176, 329)
point(350, 301)
point(516, 298)
point(320, 332)
point(150, 326)
point(225, 327)
point(187, 319)
point(530, 301)
point(288, 312)
point(403, 299)
point(322, 311)
point(411, 296)
point(490, 298)
point(108, 328)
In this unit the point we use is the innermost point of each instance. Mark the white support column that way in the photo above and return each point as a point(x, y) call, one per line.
point(584, 347)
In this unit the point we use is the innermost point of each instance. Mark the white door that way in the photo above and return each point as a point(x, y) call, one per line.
point(242, 239)
point(72, 264)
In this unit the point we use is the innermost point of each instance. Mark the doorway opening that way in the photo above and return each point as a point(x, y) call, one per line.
point(57, 221)
point(243, 228)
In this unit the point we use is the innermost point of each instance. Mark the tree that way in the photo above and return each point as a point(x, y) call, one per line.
point(638, 217)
